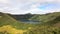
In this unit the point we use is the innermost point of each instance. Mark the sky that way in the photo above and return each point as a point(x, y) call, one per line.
point(29, 6)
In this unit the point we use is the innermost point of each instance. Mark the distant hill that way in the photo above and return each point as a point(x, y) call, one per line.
point(49, 24)
point(9, 25)
point(50, 18)
point(46, 19)
point(6, 19)
point(22, 17)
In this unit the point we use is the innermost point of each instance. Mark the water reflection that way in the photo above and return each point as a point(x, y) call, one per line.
point(30, 21)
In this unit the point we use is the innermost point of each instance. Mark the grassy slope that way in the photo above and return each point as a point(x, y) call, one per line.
point(51, 24)
point(9, 22)
point(50, 18)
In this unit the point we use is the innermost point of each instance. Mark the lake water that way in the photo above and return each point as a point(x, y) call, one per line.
point(30, 21)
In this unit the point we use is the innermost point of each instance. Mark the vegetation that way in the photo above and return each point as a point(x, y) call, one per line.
point(49, 24)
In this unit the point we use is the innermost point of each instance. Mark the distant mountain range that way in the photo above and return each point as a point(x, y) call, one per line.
point(45, 18)
point(49, 23)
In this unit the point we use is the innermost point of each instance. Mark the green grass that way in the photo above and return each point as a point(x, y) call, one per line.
point(45, 27)
point(47, 18)
point(7, 20)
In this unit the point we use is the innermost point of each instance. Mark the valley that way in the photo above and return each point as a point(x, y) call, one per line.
point(30, 24)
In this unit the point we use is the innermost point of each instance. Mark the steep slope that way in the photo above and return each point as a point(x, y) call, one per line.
point(7, 20)
point(51, 18)
point(10, 25)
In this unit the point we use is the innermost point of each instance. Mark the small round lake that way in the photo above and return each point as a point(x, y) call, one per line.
point(30, 21)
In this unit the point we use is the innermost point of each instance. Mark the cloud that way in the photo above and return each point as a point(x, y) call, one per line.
point(4, 1)
point(32, 6)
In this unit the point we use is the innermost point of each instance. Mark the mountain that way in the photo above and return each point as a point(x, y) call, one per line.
point(25, 18)
point(45, 19)
point(11, 25)
point(22, 16)
point(6, 20)
point(49, 24)
point(48, 19)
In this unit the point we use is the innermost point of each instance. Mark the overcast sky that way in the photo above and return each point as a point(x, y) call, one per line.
point(29, 6)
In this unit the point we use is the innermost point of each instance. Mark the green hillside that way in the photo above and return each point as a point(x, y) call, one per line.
point(8, 22)
point(50, 18)
point(48, 23)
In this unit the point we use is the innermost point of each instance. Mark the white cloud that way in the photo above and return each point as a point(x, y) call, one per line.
point(25, 6)
point(4, 1)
